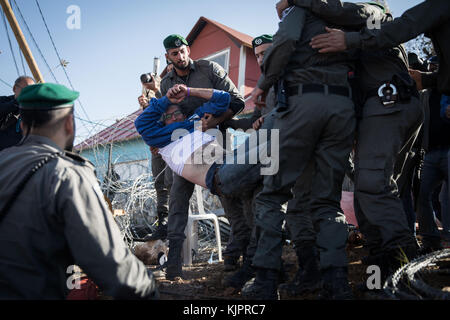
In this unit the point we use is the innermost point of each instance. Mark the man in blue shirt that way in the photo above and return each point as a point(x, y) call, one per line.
point(158, 133)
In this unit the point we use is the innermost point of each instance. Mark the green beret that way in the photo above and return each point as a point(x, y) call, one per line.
point(46, 96)
point(265, 38)
point(174, 41)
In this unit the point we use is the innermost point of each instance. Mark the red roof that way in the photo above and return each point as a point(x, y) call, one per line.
point(239, 36)
point(122, 130)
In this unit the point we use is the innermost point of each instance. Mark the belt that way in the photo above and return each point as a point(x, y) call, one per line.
point(318, 88)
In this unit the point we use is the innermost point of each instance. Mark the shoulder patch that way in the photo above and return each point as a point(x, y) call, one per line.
point(218, 70)
point(221, 73)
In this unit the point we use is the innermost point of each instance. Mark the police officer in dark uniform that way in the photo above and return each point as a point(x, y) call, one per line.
point(431, 17)
point(243, 222)
point(10, 133)
point(316, 122)
point(199, 74)
point(298, 215)
point(391, 112)
point(53, 214)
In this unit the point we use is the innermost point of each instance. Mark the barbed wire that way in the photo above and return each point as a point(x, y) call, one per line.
point(410, 281)
point(133, 190)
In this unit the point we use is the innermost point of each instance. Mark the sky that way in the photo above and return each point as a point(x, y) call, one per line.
point(116, 42)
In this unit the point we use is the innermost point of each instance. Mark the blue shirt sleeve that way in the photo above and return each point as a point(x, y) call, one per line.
point(445, 102)
point(153, 131)
point(217, 105)
point(158, 135)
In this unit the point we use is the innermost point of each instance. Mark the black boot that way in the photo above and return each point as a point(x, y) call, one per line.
point(376, 254)
point(230, 263)
point(430, 245)
point(308, 277)
point(174, 263)
point(265, 286)
point(394, 259)
point(160, 233)
point(239, 278)
point(335, 284)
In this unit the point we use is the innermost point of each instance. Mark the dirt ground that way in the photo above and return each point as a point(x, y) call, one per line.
point(204, 280)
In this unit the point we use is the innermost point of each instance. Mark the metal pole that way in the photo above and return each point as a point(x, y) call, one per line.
point(109, 170)
point(21, 41)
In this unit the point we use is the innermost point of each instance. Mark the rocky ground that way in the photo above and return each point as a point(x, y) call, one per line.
point(204, 280)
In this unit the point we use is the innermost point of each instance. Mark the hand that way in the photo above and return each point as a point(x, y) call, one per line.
point(258, 123)
point(209, 122)
point(447, 112)
point(177, 93)
point(143, 101)
point(281, 6)
point(417, 77)
point(257, 97)
point(154, 150)
point(150, 85)
point(332, 41)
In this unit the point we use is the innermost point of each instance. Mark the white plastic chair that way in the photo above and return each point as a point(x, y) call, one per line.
point(191, 231)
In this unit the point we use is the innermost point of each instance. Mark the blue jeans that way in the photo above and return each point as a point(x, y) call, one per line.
point(435, 171)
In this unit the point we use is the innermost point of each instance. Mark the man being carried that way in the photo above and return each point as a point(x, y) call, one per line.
point(158, 134)
point(196, 155)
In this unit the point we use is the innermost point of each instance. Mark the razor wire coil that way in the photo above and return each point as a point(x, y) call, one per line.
point(408, 282)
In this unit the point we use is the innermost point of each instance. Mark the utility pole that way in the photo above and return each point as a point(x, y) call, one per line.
point(21, 41)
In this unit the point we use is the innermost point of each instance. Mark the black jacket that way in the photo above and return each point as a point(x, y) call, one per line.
point(10, 133)
point(431, 17)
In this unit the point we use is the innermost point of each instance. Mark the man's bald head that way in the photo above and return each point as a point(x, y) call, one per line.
point(20, 83)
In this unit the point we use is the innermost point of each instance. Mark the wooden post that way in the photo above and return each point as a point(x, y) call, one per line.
point(21, 41)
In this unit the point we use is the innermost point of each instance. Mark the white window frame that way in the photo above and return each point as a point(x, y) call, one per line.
point(218, 53)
